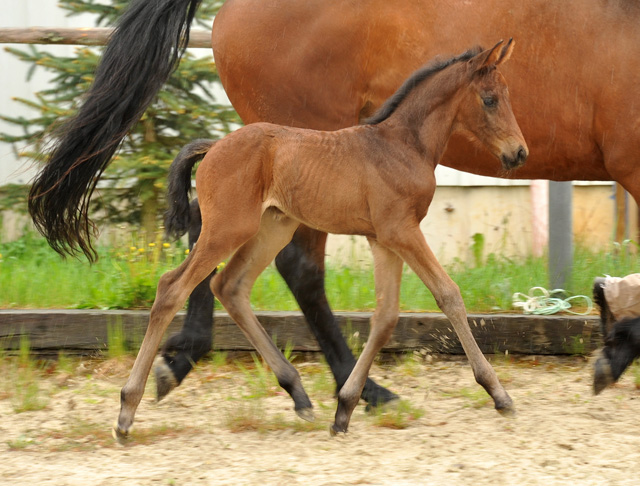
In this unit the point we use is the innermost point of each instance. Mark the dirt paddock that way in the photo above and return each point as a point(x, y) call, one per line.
point(229, 425)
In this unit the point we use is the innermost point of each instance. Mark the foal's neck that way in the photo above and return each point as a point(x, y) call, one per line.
point(429, 112)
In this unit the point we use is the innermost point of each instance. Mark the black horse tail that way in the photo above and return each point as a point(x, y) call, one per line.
point(143, 50)
point(177, 217)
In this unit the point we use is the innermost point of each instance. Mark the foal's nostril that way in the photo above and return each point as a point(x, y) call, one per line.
point(522, 155)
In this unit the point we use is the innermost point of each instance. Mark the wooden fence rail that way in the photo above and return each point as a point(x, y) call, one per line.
point(85, 331)
point(83, 36)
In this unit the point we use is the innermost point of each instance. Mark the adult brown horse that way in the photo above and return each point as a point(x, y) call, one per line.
point(258, 184)
point(328, 64)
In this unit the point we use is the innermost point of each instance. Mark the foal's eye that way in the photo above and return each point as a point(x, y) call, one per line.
point(490, 101)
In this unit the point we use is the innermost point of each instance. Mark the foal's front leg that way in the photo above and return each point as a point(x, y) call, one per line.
point(413, 248)
point(301, 264)
point(388, 274)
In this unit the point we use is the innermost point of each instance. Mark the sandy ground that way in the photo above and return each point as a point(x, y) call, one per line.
point(561, 435)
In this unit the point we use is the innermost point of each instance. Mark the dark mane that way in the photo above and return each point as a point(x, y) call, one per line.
point(425, 72)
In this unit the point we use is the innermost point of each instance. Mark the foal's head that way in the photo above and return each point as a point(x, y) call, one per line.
point(485, 111)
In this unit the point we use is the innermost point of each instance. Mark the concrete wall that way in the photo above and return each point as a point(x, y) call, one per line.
point(502, 214)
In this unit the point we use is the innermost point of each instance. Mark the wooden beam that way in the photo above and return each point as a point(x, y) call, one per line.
point(83, 36)
point(85, 331)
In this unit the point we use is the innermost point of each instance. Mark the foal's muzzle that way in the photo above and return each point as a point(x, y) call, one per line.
point(515, 159)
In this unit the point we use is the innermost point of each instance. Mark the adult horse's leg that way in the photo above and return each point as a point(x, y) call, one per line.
point(233, 286)
point(413, 249)
point(301, 264)
point(183, 349)
point(621, 348)
point(388, 275)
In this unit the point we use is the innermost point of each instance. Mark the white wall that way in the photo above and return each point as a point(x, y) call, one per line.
point(13, 73)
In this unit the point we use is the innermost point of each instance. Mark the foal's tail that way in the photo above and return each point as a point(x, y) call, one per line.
point(177, 216)
point(150, 38)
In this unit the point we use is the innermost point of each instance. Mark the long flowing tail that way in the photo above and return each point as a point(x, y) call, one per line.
point(145, 47)
point(178, 217)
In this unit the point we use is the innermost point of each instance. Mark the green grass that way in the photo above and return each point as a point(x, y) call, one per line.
point(33, 276)
point(21, 381)
point(399, 415)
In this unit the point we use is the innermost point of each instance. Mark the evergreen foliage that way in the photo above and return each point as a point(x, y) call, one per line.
point(132, 188)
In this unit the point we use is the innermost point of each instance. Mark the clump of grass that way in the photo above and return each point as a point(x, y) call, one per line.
point(318, 379)
point(398, 415)
point(83, 435)
point(475, 397)
point(259, 379)
point(24, 381)
point(353, 338)
point(218, 360)
point(116, 341)
point(20, 443)
point(250, 416)
point(576, 346)
point(409, 364)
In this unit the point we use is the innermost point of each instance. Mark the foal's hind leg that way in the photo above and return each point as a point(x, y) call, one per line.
point(173, 289)
point(232, 287)
point(388, 274)
point(413, 248)
point(183, 349)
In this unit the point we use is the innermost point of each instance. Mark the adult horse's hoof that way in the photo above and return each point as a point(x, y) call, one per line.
point(382, 406)
point(602, 376)
point(306, 414)
point(334, 430)
point(379, 398)
point(165, 380)
point(121, 436)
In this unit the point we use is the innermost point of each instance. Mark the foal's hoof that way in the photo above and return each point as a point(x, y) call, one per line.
point(506, 409)
point(602, 376)
point(306, 414)
point(165, 380)
point(120, 435)
point(507, 412)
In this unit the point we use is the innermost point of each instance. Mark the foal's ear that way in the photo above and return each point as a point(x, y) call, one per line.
point(505, 54)
point(494, 56)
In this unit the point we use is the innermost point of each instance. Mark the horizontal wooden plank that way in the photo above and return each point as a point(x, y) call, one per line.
point(84, 36)
point(86, 331)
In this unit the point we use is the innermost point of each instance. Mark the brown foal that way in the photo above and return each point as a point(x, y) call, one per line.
point(258, 184)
